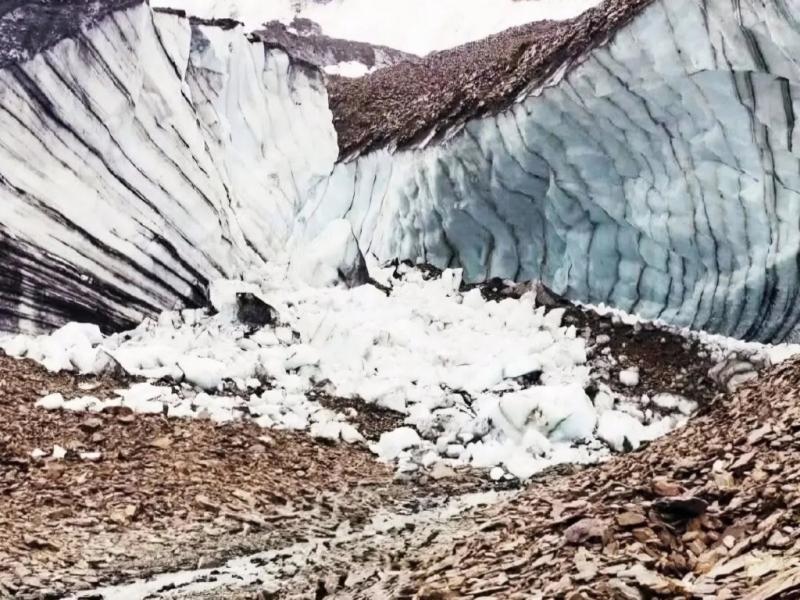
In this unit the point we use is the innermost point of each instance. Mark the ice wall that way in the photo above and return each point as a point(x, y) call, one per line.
point(660, 176)
point(144, 157)
point(147, 156)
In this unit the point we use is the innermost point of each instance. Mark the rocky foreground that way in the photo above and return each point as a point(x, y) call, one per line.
point(709, 512)
point(114, 498)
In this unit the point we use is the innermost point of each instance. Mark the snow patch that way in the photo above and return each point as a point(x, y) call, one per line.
point(351, 68)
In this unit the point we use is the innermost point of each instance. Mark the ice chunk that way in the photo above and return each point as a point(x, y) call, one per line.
point(629, 377)
point(16, 346)
point(521, 465)
point(535, 442)
point(205, 373)
point(451, 279)
point(350, 434)
point(567, 413)
point(517, 408)
point(525, 365)
point(562, 412)
point(620, 430)
point(487, 453)
point(326, 430)
point(75, 333)
point(83, 404)
point(301, 355)
point(392, 443)
point(141, 398)
point(51, 402)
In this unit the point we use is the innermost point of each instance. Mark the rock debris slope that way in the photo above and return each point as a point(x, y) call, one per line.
point(709, 512)
point(641, 155)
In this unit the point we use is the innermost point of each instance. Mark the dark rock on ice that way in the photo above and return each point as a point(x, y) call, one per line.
point(252, 310)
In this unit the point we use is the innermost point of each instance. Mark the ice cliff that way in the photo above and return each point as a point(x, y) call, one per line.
point(142, 155)
point(651, 164)
point(660, 175)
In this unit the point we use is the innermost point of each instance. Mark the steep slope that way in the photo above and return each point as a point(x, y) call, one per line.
point(141, 156)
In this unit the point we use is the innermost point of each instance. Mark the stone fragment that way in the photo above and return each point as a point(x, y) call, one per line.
point(630, 519)
point(253, 311)
point(584, 530)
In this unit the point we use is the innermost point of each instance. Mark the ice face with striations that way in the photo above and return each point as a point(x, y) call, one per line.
point(150, 154)
point(144, 157)
point(660, 176)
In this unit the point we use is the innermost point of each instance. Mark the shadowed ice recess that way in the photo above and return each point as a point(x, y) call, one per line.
point(146, 157)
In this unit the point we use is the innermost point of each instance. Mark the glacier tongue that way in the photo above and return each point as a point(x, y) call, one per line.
point(144, 157)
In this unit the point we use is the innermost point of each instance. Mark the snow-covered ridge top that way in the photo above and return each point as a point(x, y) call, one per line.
point(413, 26)
point(411, 104)
point(28, 27)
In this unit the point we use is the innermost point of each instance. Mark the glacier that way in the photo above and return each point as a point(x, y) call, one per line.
point(659, 176)
point(658, 172)
point(145, 157)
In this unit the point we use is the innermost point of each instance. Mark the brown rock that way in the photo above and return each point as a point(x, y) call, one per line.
point(625, 591)
point(685, 507)
point(630, 519)
point(667, 489)
point(758, 434)
point(39, 543)
point(584, 530)
point(163, 442)
point(93, 424)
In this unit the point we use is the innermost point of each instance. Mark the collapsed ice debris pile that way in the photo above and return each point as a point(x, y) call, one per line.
point(498, 385)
